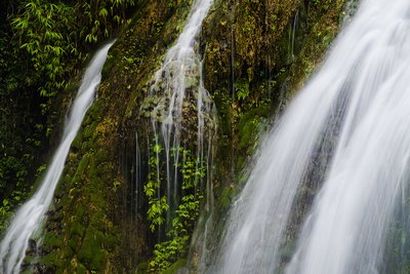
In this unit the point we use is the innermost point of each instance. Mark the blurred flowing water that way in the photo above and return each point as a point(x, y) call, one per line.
point(329, 189)
point(28, 219)
point(178, 84)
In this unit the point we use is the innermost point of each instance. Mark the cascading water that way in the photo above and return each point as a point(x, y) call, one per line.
point(178, 84)
point(347, 134)
point(30, 216)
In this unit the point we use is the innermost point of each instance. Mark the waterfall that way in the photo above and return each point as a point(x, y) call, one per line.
point(28, 219)
point(329, 179)
point(179, 84)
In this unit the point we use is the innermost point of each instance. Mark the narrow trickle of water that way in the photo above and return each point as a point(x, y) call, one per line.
point(30, 216)
point(201, 242)
point(348, 134)
point(292, 36)
point(138, 175)
point(178, 83)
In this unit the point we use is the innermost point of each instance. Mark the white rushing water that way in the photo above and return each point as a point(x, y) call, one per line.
point(30, 216)
point(348, 134)
point(179, 83)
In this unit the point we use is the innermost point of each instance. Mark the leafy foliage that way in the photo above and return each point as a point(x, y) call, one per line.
point(157, 205)
point(4, 214)
point(157, 208)
point(7, 206)
point(101, 17)
point(39, 28)
point(55, 34)
point(167, 252)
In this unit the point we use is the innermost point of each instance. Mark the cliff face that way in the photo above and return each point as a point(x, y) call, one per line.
point(255, 55)
point(90, 227)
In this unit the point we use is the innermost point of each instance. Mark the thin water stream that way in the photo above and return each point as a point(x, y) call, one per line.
point(178, 83)
point(29, 218)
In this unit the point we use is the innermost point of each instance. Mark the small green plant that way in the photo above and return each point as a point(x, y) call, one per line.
point(7, 207)
point(5, 212)
point(242, 89)
point(157, 205)
point(186, 214)
point(157, 208)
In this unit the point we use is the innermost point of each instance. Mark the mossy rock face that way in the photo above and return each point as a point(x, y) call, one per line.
point(256, 54)
point(240, 39)
point(90, 229)
point(248, 71)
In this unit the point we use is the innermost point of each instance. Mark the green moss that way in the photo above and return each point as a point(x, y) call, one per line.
point(226, 197)
point(91, 253)
point(81, 269)
point(250, 126)
point(51, 240)
point(173, 269)
point(77, 229)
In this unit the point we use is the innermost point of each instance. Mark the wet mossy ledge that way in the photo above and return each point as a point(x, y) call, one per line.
point(255, 55)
